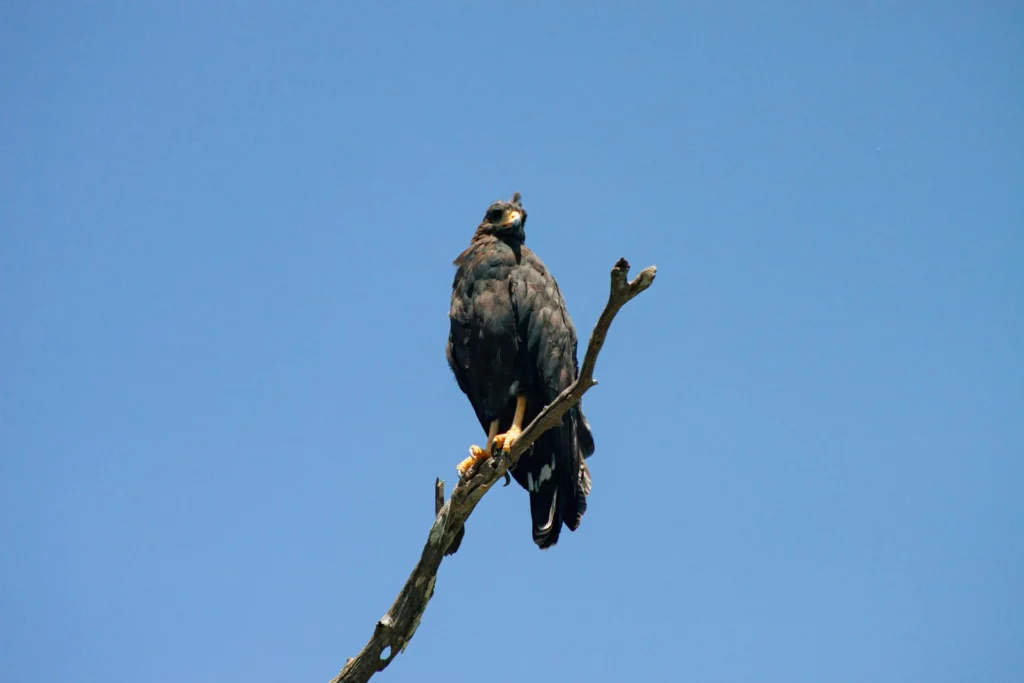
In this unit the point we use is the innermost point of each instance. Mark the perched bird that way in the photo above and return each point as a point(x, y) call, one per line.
point(512, 348)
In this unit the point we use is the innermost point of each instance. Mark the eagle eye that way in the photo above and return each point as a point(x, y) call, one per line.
point(495, 214)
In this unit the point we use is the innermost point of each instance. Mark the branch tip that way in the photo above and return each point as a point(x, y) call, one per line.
point(438, 495)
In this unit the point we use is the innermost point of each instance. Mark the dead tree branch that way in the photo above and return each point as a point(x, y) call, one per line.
point(393, 632)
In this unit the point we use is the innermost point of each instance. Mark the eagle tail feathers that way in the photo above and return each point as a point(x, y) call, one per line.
point(556, 498)
point(547, 517)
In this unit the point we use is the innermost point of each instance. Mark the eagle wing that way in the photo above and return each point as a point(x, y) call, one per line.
point(554, 472)
point(482, 339)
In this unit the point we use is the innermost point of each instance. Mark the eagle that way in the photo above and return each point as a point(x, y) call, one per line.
point(512, 349)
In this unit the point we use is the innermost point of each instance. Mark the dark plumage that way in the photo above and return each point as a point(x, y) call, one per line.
point(511, 336)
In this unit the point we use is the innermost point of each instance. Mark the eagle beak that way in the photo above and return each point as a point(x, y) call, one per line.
point(514, 217)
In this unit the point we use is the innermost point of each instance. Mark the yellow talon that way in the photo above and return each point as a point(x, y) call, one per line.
point(505, 441)
point(502, 441)
point(476, 454)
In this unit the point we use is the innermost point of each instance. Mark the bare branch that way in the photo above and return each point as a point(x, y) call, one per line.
point(396, 628)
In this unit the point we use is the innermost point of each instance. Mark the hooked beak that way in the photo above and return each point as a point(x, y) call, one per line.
point(515, 217)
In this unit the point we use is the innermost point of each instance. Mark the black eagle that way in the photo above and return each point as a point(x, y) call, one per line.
point(512, 348)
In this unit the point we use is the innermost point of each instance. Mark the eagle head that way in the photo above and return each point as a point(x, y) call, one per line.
point(506, 220)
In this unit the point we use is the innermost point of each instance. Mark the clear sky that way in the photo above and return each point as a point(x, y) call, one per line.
point(226, 234)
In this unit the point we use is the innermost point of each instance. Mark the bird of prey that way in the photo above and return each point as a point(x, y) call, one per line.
point(512, 348)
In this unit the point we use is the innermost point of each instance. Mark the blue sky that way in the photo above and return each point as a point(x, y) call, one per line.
point(226, 234)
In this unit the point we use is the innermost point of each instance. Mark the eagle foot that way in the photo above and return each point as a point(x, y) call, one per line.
point(504, 441)
point(476, 454)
